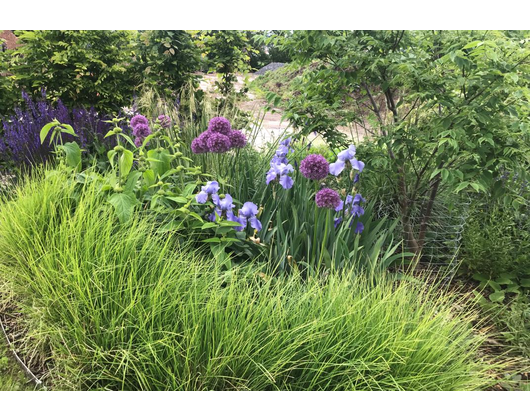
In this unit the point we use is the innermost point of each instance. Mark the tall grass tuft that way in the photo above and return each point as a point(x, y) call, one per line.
point(122, 307)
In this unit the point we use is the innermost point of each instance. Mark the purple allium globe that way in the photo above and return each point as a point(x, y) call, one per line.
point(138, 119)
point(327, 198)
point(164, 121)
point(200, 144)
point(220, 125)
point(218, 143)
point(141, 131)
point(314, 167)
point(237, 139)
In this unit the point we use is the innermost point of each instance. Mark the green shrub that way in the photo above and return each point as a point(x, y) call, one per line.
point(8, 91)
point(79, 67)
point(496, 246)
point(123, 308)
point(169, 59)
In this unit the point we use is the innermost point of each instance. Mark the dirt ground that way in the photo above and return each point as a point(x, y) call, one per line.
point(272, 125)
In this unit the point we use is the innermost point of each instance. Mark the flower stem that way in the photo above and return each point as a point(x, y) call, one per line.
point(328, 213)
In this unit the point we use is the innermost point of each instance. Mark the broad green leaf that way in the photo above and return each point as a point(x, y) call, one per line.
point(178, 199)
point(123, 204)
point(125, 163)
point(46, 129)
point(73, 155)
point(525, 282)
point(209, 225)
point(497, 296)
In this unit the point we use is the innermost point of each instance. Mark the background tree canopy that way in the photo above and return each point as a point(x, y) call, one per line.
point(449, 107)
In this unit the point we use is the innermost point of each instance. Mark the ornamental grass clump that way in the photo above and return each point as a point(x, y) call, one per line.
point(127, 308)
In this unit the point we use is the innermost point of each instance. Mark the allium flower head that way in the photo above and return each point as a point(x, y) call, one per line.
point(164, 121)
point(237, 139)
point(138, 119)
point(200, 144)
point(314, 167)
point(327, 198)
point(219, 125)
point(141, 131)
point(218, 143)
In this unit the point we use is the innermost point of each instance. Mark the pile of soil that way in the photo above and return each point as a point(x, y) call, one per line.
point(9, 39)
point(269, 67)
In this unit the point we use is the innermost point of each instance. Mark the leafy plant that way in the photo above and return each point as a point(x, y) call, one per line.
point(88, 68)
point(21, 145)
point(169, 59)
point(226, 52)
point(449, 108)
point(8, 90)
point(496, 245)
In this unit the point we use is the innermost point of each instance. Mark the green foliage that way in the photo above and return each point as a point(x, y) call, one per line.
point(127, 309)
point(513, 321)
point(263, 51)
point(301, 236)
point(227, 53)
point(496, 245)
point(11, 377)
point(169, 59)
point(79, 67)
point(8, 90)
point(449, 108)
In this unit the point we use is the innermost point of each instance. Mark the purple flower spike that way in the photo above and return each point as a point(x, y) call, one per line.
point(164, 121)
point(314, 167)
point(327, 198)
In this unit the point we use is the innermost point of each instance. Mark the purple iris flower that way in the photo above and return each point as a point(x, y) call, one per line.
point(351, 205)
point(211, 188)
point(281, 170)
point(222, 206)
point(225, 205)
point(344, 156)
point(286, 142)
point(359, 228)
point(247, 213)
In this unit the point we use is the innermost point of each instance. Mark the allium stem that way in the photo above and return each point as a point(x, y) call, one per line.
point(328, 217)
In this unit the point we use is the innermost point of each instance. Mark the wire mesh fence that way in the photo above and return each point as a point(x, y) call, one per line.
point(445, 228)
